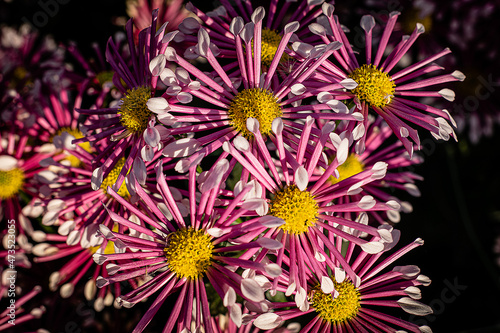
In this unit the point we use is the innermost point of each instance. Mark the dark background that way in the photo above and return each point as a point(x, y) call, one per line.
point(458, 213)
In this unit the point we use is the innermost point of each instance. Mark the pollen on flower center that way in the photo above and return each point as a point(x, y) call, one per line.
point(297, 208)
point(10, 182)
point(110, 180)
point(352, 166)
point(345, 306)
point(189, 253)
point(134, 113)
point(254, 103)
point(374, 86)
point(269, 45)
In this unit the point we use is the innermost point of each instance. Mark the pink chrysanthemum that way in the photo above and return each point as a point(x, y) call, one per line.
point(341, 304)
point(19, 185)
point(379, 148)
point(230, 96)
point(131, 124)
point(184, 254)
point(300, 205)
point(382, 89)
point(279, 15)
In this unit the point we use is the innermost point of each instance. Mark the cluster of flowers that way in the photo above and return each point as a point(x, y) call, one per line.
point(246, 154)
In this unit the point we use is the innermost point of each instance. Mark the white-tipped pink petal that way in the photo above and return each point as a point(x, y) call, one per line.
point(253, 125)
point(277, 126)
point(267, 321)
point(241, 143)
point(271, 221)
point(184, 97)
point(413, 292)
point(158, 105)
point(258, 14)
point(447, 94)
point(166, 119)
point(229, 297)
point(151, 136)
point(252, 290)
point(291, 27)
point(339, 275)
point(257, 204)
point(372, 247)
point(367, 23)
point(236, 315)
point(273, 270)
point(157, 64)
point(147, 153)
point(409, 271)
point(366, 202)
point(298, 89)
point(327, 285)
point(215, 176)
point(301, 178)
point(269, 243)
point(414, 307)
point(203, 42)
point(348, 83)
point(73, 238)
point(181, 148)
point(236, 25)
point(337, 106)
point(140, 171)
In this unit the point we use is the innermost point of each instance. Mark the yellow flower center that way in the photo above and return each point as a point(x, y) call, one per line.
point(374, 86)
point(189, 253)
point(297, 208)
point(11, 182)
point(254, 103)
point(18, 76)
point(345, 306)
point(73, 160)
point(352, 166)
point(103, 77)
point(134, 113)
point(110, 180)
point(269, 45)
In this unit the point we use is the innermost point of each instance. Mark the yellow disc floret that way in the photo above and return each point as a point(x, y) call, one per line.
point(11, 182)
point(254, 103)
point(297, 208)
point(352, 166)
point(110, 180)
point(374, 86)
point(134, 113)
point(344, 307)
point(189, 253)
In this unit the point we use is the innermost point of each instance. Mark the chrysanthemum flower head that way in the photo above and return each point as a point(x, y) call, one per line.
point(382, 89)
point(296, 205)
point(185, 254)
point(135, 121)
point(234, 95)
point(341, 304)
point(19, 187)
